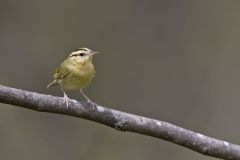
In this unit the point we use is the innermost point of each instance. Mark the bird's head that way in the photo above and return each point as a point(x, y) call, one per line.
point(83, 54)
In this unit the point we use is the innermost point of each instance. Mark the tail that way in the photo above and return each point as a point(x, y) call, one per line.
point(52, 84)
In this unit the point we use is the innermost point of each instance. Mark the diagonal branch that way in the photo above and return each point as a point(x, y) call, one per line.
point(122, 121)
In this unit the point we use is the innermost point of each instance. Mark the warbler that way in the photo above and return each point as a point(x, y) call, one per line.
point(75, 73)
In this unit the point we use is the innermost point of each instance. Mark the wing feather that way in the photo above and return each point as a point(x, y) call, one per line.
point(61, 72)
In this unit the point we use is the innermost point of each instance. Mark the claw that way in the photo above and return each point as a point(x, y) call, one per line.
point(67, 100)
point(94, 105)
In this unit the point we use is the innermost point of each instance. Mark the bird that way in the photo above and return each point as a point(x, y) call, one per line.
point(75, 73)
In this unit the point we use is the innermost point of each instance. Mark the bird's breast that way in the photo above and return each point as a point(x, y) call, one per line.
point(81, 74)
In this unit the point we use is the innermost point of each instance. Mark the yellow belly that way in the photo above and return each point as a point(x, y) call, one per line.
point(80, 76)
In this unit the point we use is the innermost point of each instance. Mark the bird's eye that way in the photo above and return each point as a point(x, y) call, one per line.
point(81, 54)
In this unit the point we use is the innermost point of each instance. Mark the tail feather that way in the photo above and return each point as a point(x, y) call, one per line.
point(52, 84)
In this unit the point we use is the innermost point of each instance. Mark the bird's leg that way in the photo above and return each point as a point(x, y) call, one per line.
point(88, 99)
point(65, 97)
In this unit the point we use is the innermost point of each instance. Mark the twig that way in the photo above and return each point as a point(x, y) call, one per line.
point(122, 121)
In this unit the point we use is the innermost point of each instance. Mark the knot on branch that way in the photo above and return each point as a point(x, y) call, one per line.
point(120, 126)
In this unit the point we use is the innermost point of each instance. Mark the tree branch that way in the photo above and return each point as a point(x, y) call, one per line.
point(122, 121)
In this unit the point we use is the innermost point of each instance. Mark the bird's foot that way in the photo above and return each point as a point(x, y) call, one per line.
point(93, 104)
point(67, 100)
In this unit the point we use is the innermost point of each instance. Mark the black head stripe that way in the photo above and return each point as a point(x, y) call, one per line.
point(77, 54)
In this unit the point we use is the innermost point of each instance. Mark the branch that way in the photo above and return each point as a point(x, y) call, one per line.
point(122, 121)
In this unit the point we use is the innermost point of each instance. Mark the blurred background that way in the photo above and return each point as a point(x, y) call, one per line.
point(176, 61)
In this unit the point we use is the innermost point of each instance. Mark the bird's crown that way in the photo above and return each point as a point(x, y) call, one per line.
point(80, 52)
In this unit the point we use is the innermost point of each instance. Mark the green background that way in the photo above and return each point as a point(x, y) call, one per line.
point(176, 61)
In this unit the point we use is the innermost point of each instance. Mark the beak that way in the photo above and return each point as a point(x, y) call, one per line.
point(93, 53)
